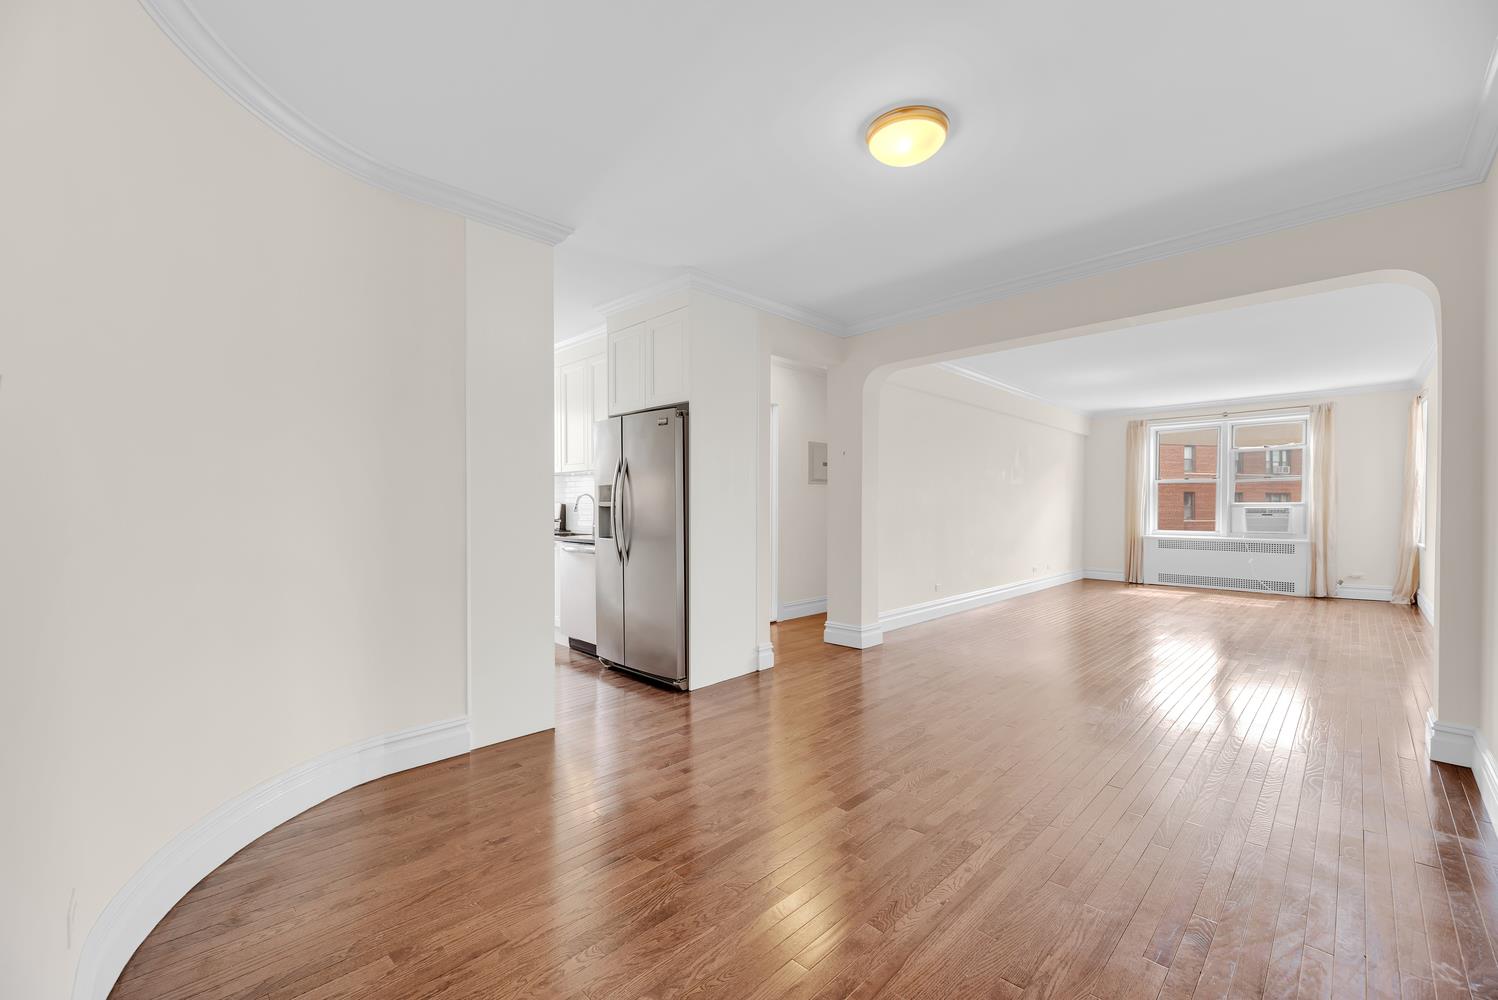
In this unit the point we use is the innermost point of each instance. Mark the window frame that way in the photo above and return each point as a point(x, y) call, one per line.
point(1227, 479)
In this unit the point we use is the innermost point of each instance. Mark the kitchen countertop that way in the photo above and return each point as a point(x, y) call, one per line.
point(579, 539)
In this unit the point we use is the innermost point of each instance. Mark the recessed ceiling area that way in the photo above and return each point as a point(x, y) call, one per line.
point(1352, 338)
point(729, 138)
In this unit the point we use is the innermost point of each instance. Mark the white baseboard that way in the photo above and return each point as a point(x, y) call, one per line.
point(917, 613)
point(856, 636)
point(1450, 743)
point(1426, 605)
point(801, 609)
point(202, 847)
point(766, 655)
point(1385, 594)
point(1465, 746)
point(1116, 575)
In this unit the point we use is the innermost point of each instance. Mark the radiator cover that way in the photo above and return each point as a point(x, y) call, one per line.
point(1248, 564)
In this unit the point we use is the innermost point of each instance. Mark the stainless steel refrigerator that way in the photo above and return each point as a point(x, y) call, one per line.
point(641, 543)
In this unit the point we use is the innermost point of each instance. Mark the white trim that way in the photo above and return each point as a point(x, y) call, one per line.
point(856, 636)
point(692, 279)
point(181, 24)
point(791, 364)
point(1385, 594)
point(956, 368)
point(940, 608)
point(187, 31)
point(1291, 401)
point(581, 338)
point(1464, 746)
point(1449, 742)
point(1485, 770)
point(1115, 575)
point(766, 655)
point(801, 609)
point(1427, 608)
point(1471, 167)
point(775, 510)
point(202, 847)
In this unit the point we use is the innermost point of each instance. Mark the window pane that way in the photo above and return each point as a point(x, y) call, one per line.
point(1269, 435)
point(1267, 491)
point(1188, 454)
point(1186, 506)
point(1269, 463)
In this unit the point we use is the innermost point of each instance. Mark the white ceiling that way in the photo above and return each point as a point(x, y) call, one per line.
point(1369, 335)
point(726, 137)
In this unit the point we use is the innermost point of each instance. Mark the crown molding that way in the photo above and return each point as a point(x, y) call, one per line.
point(581, 338)
point(694, 280)
point(1285, 400)
point(1429, 183)
point(188, 32)
point(642, 296)
point(1471, 167)
point(957, 369)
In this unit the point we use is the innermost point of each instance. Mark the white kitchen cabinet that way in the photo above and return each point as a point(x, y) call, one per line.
point(556, 587)
point(579, 615)
point(598, 369)
point(627, 370)
point(648, 364)
point(666, 359)
point(558, 421)
point(582, 395)
point(574, 385)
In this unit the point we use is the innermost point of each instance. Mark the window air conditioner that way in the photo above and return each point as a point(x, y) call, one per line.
point(1266, 520)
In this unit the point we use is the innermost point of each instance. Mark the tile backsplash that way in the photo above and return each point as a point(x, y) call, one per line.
point(568, 486)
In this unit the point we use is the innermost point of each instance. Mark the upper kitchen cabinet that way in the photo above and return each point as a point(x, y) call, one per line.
point(582, 392)
point(575, 389)
point(648, 364)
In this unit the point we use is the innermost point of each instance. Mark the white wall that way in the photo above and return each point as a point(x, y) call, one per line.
point(800, 395)
point(1370, 430)
point(722, 477)
point(510, 554)
point(978, 488)
point(1429, 595)
point(232, 433)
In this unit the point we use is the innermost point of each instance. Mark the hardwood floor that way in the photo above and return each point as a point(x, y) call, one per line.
point(1090, 791)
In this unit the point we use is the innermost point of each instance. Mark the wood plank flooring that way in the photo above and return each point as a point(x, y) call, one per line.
point(1093, 791)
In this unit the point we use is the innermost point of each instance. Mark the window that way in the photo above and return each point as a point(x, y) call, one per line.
point(1186, 488)
point(1261, 460)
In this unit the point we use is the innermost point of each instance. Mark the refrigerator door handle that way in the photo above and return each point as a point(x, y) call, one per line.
point(625, 520)
point(614, 501)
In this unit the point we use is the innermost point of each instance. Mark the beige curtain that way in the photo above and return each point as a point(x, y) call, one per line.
point(1412, 514)
point(1321, 500)
point(1136, 497)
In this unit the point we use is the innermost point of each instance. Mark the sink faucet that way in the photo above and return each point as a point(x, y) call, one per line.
point(593, 504)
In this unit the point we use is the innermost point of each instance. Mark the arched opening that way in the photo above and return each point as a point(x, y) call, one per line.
point(1044, 505)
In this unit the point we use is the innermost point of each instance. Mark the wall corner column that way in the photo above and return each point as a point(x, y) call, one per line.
point(508, 378)
point(852, 506)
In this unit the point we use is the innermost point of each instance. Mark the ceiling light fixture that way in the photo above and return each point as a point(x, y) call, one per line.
point(907, 136)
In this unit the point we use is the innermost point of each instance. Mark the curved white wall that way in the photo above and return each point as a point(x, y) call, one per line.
point(232, 443)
